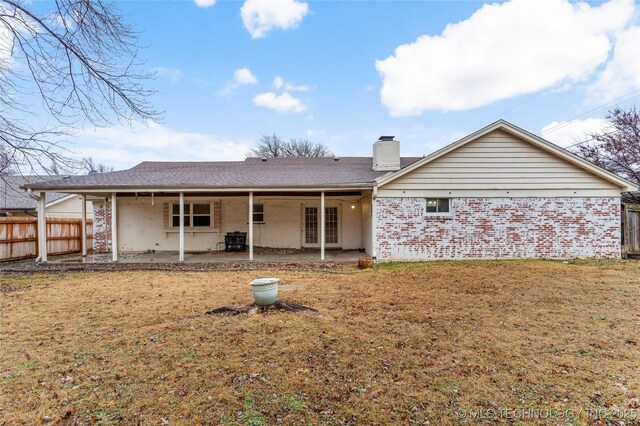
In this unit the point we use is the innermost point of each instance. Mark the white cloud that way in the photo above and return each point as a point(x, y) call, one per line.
point(261, 16)
point(173, 74)
point(502, 50)
point(281, 103)
point(622, 73)
point(244, 76)
point(568, 133)
point(124, 146)
point(241, 77)
point(204, 3)
point(293, 88)
point(280, 83)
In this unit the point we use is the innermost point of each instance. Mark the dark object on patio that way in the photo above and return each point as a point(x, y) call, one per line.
point(365, 263)
point(252, 308)
point(235, 241)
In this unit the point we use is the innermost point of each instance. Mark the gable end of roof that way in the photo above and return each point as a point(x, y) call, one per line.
point(535, 140)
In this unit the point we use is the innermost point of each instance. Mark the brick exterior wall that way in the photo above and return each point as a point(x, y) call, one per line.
point(494, 228)
point(101, 227)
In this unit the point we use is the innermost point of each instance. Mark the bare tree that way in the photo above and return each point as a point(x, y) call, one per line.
point(268, 146)
point(305, 148)
point(618, 149)
point(90, 166)
point(6, 163)
point(54, 169)
point(81, 59)
point(273, 146)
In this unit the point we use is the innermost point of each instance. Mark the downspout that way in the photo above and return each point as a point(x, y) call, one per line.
point(37, 198)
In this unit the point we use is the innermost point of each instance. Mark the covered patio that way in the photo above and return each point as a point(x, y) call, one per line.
point(303, 256)
point(184, 212)
point(278, 226)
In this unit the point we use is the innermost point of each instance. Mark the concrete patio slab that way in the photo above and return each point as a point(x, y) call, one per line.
point(217, 257)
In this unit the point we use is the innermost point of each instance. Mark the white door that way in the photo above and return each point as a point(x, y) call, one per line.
point(311, 227)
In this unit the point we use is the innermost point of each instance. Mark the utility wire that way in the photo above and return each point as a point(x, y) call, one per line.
point(590, 139)
point(607, 104)
point(528, 98)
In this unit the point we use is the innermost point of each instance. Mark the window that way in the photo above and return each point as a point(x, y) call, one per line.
point(311, 225)
point(437, 205)
point(258, 213)
point(201, 214)
point(195, 215)
point(331, 225)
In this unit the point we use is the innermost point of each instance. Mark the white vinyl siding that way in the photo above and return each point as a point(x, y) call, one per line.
point(68, 208)
point(497, 164)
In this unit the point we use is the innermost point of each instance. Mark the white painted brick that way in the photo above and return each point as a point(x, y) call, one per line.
point(496, 228)
point(101, 227)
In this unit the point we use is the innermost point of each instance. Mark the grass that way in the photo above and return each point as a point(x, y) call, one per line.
point(443, 342)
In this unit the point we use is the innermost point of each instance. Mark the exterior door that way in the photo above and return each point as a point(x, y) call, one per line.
point(311, 227)
point(311, 236)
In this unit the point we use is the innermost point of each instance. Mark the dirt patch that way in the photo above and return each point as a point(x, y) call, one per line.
point(439, 342)
point(252, 309)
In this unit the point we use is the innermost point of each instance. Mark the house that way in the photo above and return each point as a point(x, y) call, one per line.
point(16, 202)
point(500, 192)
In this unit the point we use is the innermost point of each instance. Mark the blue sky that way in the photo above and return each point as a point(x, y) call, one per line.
point(343, 73)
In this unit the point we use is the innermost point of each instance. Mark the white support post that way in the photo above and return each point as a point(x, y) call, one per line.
point(322, 230)
point(84, 225)
point(250, 225)
point(114, 228)
point(181, 255)
point(374, 248)
point(42, 228)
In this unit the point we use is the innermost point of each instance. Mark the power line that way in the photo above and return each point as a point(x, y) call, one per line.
point(607, 104)
point(590, 140)
point(528, 98)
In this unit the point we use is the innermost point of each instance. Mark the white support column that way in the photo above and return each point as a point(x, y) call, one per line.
point(374, 247)
point(114, 228)
point(322, 230)
point(42, 228)
point(250, 225)
point(84, 225)
point(181, 255)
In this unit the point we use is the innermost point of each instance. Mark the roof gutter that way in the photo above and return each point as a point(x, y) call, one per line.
point(227, 188)
point(32, 195)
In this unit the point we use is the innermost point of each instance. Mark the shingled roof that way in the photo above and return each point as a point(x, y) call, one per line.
point(14, 198)
point(252, 172)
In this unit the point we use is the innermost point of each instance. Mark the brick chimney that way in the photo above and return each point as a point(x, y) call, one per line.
point(386, 154)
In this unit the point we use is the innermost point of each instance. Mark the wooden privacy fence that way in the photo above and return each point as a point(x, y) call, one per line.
point(19, 236)
point(631, 230)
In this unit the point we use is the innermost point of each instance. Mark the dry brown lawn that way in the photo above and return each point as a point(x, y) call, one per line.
point(436, 342)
